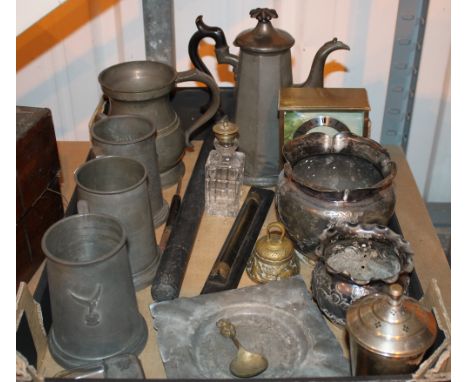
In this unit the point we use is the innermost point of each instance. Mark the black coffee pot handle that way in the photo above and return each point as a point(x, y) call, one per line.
point(222, 50)
point(197, 75)
point(203, 31)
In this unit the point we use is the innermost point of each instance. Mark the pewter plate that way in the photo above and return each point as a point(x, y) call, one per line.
point(278, 320)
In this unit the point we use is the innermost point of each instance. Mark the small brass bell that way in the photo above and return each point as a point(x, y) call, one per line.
point(273, 257)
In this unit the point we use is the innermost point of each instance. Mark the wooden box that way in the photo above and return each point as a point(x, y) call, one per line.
point(38, 200)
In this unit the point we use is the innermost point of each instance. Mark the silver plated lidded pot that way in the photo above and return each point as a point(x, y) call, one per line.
point(355, 261)
point(389, 333)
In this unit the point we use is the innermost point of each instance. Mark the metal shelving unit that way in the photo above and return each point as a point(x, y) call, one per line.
point(406, 56)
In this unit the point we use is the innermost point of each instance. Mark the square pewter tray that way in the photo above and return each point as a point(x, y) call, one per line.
point(278, 319)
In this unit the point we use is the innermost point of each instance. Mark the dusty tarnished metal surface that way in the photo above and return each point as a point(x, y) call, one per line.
point(331, 190)
point(355, 261)
point(363, 260)
point(337, 172)
point(365, 253)
point(335, 294)
point(278, 320)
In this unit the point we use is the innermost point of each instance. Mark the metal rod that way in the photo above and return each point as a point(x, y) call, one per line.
point(158, 18)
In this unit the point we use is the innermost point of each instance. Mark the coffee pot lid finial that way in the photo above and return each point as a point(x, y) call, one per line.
point(263, 15)
point(264, 38)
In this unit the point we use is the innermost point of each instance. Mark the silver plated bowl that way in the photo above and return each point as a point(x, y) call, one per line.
point(355, 261)
point(333, 180)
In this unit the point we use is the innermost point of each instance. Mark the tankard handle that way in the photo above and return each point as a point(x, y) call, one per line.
point(196, 75)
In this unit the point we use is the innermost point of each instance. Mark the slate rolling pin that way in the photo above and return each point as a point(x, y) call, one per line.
point(174, 260)
point(171, 218)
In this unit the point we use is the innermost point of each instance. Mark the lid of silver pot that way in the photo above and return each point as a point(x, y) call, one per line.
point(365, 252)
point(391, 325)
point(264, 38)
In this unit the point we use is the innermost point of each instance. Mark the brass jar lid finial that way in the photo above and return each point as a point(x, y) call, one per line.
point(396, 292)
point(273, 257)
point(225, 131)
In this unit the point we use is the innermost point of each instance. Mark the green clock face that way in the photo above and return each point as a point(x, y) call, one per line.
point(329, 122)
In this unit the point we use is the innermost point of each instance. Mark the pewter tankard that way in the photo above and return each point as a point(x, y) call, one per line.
point(143, 88)
point(92, 297)
point(132, 136)
point(117, 186)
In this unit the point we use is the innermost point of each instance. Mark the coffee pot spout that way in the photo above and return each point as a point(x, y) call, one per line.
point(315, 78)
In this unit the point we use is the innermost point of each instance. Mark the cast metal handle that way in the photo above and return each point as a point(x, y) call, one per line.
point(228, 330)
point(197, 75)
point(279, 226)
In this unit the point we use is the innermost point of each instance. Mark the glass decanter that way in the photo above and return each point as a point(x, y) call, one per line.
point(224, 172)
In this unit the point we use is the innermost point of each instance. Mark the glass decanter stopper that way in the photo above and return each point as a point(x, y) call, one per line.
point(224, 172)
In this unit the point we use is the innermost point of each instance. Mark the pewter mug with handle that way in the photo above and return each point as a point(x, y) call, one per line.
point(132, 136)
point(143, 88)
point(117, 186)
point(92, 297)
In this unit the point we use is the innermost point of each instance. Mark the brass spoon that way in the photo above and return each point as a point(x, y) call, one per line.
point(245, 364)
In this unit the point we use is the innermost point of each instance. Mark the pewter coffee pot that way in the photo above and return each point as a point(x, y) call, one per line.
point(262, 68)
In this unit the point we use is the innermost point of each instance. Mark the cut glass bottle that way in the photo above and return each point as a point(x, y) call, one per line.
point(224, 172)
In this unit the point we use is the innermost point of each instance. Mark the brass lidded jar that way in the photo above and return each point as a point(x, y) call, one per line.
point(273, 257)
point(388, 333)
